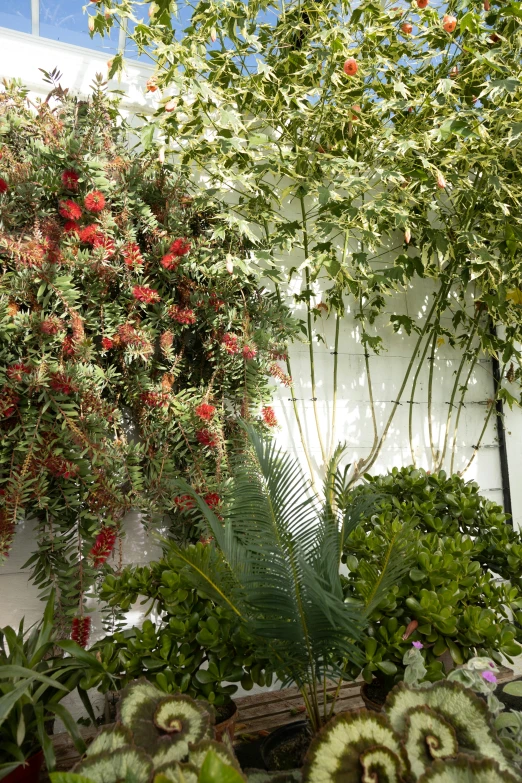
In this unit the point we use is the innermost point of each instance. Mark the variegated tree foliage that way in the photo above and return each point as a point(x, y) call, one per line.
point(371, 147)
point(441, 732)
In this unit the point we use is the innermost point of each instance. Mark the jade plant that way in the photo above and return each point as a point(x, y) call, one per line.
point(451, 598)
point(196, 647)
point(437, 732)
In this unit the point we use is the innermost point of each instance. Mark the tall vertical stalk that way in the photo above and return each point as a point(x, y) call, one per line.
point(309, 330)
point(334, 398)
point(461, 405)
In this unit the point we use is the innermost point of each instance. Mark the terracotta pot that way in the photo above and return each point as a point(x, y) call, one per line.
point(227, 726)
point(29, 772)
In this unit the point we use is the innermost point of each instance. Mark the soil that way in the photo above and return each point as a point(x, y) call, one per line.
point(290, 754)
point(224, 712)
point(377, 692)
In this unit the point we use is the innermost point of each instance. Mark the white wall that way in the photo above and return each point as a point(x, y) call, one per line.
point(20, 56)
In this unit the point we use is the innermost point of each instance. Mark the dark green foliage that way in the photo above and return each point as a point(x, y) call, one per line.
point(451, 598)
point(32, 684)
point(198, 648)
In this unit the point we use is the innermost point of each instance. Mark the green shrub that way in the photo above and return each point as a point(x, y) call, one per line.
point(451, 598)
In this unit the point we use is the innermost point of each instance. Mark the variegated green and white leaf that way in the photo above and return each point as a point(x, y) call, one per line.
point(110, 739)
point(129, 764)
point(380, 764)
point(464, 769)
point(428, 737)
point(467, 714)
point(179, 773)
point(199, 751)
point(335, 754)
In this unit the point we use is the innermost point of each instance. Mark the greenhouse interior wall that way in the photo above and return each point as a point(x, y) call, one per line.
point(21, 57)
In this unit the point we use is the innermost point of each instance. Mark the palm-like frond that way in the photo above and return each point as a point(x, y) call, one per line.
point(379, 578)
point(276, 561)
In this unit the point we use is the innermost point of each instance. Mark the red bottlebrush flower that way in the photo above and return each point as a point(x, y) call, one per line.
point(17, 371)
point(94, 201)
point(8, 402)
point(276, 372)
point(102, 241)
point(166, 341)
point(68, 347)
point(230, 344)
point(170, 262)
point(212, 499)
point(215, 302)
point(69, 209)
point(249, 352)
point(184, 502)
point(205, 411)
point(51, 325)
point(183, 315)
point(180, 247)
point(132, 254)
point(88, 234)
point(71, 227)
point(80, 630)
point(62, 383)
point(151, 399)
point(7, 530)
point(4, 187)
point(145, 294)
point(60, 467)
point(70, 179)
point(280, 355)
point(103, 546)
point(207, 438)
point(107, 343)
point(269, 416)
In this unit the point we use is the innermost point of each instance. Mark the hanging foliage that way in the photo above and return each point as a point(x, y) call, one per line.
point(120, 299)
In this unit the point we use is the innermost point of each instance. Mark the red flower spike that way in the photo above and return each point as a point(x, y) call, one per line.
point(184, 502)
point(212, 499)
point(230, 344)
point(68, 347)
point(94, 201)
point(71, 227)
point(249, 352)
point(170, 262)
point(17, 371)
point(70, 210)
point(107, 343)
point(70, 180)
point(205, 411)
point(182, 315)
point(151, 399)
point(180, 247)
point(207, 438)
point(60, 467)
point(166, 341)
point(8, 402)
point(276, 372)
point(80, 630)
point(62, 383)
point(88, 234)
point(269, 416)
point(132, 254)
point(103, 546)
point(51, 325)
point(4, 187)
point(105, 243)
point(145, 294)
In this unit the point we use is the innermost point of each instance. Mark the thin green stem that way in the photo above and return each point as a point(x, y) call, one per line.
point(434, 452)
point(335, 370)
point(461, 405)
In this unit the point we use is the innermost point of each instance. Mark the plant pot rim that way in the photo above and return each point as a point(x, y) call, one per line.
point(278, 735)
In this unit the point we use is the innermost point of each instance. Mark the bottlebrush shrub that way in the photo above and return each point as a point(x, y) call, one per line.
point(168, 736)
point(197, 648)
point(451, 599)
point(115, 304)
point(429, 733)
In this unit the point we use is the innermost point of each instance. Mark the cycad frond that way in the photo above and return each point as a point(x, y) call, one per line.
point(378, 578)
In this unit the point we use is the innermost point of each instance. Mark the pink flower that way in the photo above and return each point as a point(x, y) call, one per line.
point(249, 352)
point(441, 182)
point(229, 343)
point(489, 676)
point(418, 645)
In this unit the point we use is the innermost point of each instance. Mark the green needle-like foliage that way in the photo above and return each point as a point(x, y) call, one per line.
point(275, 564)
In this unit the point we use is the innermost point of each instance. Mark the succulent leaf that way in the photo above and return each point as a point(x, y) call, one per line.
point(428, 736)
point(110, 739)
point(464, 769)
point(467, 714)
point(129, 764)
point(335, 754)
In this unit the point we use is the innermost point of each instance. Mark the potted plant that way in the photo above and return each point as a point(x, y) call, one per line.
point(450, 602)
point(196, 647)
point(32, 684)
point(274, 563)
point(165, 736)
